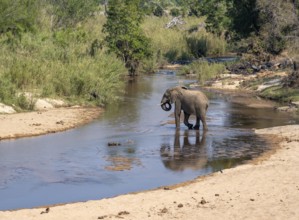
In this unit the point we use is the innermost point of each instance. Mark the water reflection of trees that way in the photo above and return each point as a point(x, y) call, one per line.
point(136, 90)
point(187, 155)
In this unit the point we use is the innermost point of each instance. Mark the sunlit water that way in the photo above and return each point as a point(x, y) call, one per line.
point(78, 165)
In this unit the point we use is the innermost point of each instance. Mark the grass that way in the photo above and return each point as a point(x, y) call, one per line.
point(280, 93)
point(59, 64)
point(183, 42)
point(203, 70)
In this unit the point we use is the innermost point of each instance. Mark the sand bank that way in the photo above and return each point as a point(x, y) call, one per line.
point(43, 122)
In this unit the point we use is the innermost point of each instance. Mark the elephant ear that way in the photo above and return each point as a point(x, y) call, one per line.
point(175, 94)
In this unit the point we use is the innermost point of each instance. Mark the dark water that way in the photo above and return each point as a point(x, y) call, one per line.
point(78, 165)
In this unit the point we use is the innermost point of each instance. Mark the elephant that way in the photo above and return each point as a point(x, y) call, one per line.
point(192, 102)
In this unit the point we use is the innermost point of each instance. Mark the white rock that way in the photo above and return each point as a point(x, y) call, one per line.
point(5, 109)
point(56, 102)
point(42, 104)
point(296, 104)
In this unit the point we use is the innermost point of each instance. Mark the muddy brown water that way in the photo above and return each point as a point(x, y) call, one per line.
point(145, 151)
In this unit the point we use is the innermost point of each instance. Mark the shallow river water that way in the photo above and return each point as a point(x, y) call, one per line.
point(79, 164)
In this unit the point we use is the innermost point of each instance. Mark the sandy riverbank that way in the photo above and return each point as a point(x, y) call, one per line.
point(267, 189)
point(43, 122)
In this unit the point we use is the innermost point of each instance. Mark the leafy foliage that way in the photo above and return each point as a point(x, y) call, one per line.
point(17, 17)
point(124, 34)
point(68, 13)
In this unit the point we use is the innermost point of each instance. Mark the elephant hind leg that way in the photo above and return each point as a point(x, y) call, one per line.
point(203, 119)
point(197, 125)
point(186, 120)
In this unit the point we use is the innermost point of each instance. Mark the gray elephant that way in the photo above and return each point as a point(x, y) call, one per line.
point(192, 102)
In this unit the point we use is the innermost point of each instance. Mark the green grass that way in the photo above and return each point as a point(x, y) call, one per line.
point(179, 43)
point(203, 70)
point(279, 93)
point(59, 64)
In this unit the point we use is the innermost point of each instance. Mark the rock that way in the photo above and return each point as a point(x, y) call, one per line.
point(110, 144)
point(287, 109)
point(203, 201)
point(180, 205)
point(42, 104)
point(124, 213)
point(5, 109)
point(296, 104)
point(271, 83)
point(56, 102)
point(164, 210)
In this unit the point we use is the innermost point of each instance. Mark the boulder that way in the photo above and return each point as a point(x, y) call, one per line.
point(56, 102)
point(42, 104)
point(5, 109)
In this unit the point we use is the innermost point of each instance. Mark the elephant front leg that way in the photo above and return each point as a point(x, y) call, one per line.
point(177, 114)
point(186, 120)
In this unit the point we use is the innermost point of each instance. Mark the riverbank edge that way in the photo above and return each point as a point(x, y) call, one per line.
point(29, 124)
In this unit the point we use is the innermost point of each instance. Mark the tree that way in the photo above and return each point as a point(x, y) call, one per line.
point(124, 36)
point(17, 16)
point(244, 16)
point(68, 13)
point(216, 14)
point(279, 22)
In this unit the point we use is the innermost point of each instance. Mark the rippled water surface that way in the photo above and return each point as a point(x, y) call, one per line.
point(79, 164)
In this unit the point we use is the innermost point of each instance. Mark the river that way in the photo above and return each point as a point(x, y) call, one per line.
point(146, 152)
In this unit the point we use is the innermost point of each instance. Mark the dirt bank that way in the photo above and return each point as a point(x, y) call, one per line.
point(43, 122)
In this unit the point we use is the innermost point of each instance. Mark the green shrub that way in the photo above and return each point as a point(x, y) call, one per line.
point(175, 12)
point(60, 65)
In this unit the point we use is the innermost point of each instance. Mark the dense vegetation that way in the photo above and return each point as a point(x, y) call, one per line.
point(82, 51)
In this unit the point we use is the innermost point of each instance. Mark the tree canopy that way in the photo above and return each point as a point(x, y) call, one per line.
point(124, 35)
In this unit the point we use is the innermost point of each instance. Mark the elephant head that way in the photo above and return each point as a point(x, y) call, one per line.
point(170, 97)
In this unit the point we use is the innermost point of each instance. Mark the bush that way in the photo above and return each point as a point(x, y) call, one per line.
point(60, 65)
point(175, 12)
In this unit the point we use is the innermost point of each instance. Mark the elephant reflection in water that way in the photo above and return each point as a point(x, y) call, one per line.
point(187, 156)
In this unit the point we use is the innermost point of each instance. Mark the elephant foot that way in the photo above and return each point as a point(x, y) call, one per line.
point(196, 127)
point(190, 126)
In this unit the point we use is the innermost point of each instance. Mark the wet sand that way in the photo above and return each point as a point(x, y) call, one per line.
point(265, 189)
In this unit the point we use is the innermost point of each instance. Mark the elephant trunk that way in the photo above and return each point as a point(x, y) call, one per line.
point(166, 106)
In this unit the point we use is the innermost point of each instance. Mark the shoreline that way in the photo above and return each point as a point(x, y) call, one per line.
point(266, 189)
point(29, 124)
